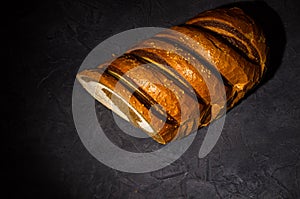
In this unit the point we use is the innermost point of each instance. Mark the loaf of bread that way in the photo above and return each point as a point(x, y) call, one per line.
point(170, 85)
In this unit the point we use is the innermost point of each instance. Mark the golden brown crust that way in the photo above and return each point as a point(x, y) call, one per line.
point(235, 69)
point(243, 28)
point(187, 66)
point(165, 94)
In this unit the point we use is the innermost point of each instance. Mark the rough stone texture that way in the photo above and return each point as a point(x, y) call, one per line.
point(257, 155)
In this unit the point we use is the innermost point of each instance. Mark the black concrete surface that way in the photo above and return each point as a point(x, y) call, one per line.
point(44, 42)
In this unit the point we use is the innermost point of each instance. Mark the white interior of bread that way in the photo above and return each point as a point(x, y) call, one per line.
point(97, 89)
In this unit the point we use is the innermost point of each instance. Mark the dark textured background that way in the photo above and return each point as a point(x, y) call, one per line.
point(45, 42)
